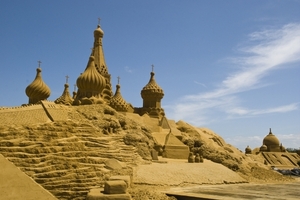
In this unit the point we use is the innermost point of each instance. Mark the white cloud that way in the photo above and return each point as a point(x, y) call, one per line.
point(280, 109)
point(266, 51)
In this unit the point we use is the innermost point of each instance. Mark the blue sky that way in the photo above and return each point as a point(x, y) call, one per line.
point(231, 66)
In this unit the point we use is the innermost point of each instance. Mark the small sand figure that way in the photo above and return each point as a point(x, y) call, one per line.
point(201, 159)
point(191, 158)
point(197, 158)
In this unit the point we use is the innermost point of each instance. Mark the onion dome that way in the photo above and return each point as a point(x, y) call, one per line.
point(37, 90)
point(90, 81)
point(98, 32)
point(263, 148)
point(152, 89)
point(65, 98)
point(271, 140)
point(248, 150)
point(117, 102)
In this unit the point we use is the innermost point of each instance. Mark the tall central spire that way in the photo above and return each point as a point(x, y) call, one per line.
point(100, 64)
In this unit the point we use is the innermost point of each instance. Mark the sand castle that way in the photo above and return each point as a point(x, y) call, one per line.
point(94, 87)
point(66, 145)
point(274, 153)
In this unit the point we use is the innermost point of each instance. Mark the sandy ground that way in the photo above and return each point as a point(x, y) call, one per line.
point(239, 191)
point(179, 172)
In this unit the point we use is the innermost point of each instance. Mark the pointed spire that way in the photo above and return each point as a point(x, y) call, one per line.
point(74, 92)
point(270, 132)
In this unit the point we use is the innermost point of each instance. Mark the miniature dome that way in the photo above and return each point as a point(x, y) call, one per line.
point(98, 32)
point(271, 140)
point(152, 88)
point(117, 102)
point(263, 148)
point(65, 98)
point(37, 90)
point(90, 80)
point(248, 150)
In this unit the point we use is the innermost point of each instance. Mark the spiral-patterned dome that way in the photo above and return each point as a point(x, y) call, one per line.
point(90, 80)
point(152, 88)
point(37, 90)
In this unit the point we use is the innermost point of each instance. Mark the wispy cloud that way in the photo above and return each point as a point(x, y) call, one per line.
point(265, 51)
point(280, 109)
point(202, 84)
point(127, 69)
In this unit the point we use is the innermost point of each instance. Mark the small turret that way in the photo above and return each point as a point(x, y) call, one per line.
point(152, 94)
point(118, 103)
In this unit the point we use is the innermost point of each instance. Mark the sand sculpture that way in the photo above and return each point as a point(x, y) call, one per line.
point(94, 87)
point(274, 153)
point(71, 144)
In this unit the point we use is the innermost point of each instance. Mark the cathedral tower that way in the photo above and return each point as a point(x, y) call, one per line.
point(100, 63)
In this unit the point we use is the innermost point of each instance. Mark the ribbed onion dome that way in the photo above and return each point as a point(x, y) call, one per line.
point(98, 32)
point(117, 102)
point(90, 80)
point(65, 98)
point(152, 88)
point(37, 90)
point(271, 139)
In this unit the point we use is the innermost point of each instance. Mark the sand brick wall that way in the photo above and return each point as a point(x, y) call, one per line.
point(57, 112)
point(23, 115)
point(30, 114)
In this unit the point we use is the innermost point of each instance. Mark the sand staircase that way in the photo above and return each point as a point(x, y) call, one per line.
point(68, 163)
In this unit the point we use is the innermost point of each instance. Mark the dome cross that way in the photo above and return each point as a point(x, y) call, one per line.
point(67, 77)
point(39, 62)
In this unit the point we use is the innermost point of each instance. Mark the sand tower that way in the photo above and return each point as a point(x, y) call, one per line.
point(100, 63)
point(152, 94)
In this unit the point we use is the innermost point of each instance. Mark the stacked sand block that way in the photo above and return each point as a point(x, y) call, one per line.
point(114, 189)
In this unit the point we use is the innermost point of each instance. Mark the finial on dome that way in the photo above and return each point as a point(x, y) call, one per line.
point(67, 77)
point(152, 68)
point(270, 131)
point(99, 21)
point(39, 63)
point(118, 79)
